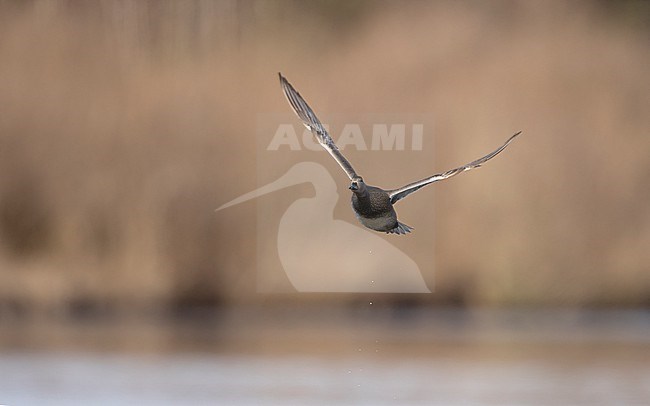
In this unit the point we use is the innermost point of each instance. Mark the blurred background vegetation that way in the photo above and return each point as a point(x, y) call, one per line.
point(118, 120)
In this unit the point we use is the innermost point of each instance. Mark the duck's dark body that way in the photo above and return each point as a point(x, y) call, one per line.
point(373, 208)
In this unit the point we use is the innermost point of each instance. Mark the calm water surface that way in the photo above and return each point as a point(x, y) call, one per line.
point(440, 359)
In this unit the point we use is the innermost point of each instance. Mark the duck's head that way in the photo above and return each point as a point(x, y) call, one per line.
point(357, 185)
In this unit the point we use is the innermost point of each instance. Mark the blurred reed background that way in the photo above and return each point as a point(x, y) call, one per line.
point(118, 120)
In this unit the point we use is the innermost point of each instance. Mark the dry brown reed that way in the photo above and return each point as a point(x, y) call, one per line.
point(123, 124)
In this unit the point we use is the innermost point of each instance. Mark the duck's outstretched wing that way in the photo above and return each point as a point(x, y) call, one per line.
point(404, 191)
point(309, 119)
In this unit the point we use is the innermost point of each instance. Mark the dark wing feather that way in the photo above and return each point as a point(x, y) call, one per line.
point(309, 119)
point(404, 191)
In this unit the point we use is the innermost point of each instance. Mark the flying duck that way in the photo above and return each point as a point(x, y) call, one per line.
point(372, 206)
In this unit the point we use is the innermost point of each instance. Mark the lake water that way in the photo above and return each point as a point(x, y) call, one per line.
point(264, 358)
